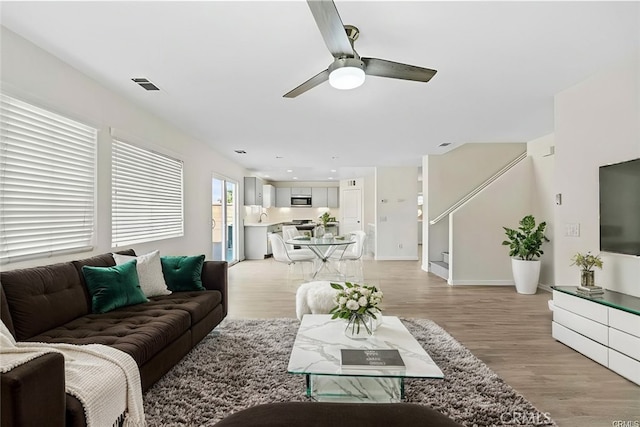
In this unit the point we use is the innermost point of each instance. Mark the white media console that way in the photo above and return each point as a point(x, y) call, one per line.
point(605, 329)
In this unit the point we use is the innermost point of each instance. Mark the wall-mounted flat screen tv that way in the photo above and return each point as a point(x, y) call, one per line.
point(620, 208)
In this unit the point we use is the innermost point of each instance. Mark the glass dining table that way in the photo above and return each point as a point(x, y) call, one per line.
point(323, 248)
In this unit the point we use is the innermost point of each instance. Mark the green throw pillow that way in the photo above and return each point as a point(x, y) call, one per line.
point(183, 273)
point(113, 287)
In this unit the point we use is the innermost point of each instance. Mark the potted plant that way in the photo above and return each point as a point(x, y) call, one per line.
point(586, 262)
point(324, 220)
point(525, 249)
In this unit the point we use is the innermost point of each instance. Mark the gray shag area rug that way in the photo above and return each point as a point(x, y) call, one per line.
point(243, 363)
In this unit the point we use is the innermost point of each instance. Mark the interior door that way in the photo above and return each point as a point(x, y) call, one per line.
point(351, 210)
point(224, 218)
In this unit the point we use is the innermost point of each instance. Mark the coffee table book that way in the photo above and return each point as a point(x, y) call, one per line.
point(371, 359)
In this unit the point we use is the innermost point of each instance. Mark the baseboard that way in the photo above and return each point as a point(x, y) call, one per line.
point(399, 258)
point(545, 287)
point(482, 283)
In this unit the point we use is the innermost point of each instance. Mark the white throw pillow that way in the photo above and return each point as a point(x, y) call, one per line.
point(149, 272)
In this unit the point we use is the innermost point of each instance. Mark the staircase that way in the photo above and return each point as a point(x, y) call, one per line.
point(440, 268)
point(498, 200)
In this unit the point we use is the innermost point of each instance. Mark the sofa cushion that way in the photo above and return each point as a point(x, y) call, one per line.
point(149, 272)
point(113, 287)
point(198, 304)
point(140, 334)
point(42, 298)
point(183, 273)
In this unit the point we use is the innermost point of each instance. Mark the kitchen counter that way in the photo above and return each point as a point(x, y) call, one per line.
point(261, 224)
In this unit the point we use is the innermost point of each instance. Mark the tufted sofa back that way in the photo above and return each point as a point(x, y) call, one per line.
point(37, 299)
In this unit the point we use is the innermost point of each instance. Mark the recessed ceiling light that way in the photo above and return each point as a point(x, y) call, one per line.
point(289, 170)
point(240, 151)
point(295, 177)
point(330, 177)
point(266, 176)
point(333, 170)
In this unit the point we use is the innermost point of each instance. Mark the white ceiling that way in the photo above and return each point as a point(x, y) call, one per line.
point(224, 66)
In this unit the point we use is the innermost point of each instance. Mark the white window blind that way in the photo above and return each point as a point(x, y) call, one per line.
point(47, 182)
point(146, 198)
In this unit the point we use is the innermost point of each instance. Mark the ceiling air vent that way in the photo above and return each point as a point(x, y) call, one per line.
point(146, 84)
point(240, 151)
point(444, 144)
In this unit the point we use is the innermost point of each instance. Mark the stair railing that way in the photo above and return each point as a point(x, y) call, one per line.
point(478, 189)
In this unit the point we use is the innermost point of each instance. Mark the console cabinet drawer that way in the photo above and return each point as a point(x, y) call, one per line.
point(625, 366)
point(590, 329)
point(582, 344)
point(627, 322)
point(624, 343)
point(581, 306)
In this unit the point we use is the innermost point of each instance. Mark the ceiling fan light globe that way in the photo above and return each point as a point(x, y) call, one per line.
point(345, 78)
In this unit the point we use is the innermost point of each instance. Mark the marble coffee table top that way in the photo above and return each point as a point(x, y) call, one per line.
point(316, 349)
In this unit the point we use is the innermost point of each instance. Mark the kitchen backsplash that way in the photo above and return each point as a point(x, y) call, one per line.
point(252, 214)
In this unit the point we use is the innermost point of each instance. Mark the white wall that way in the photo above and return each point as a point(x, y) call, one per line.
point(596, 122)
point(35, 76)
point(543, 198)
point(477, 254)
point(396, 213)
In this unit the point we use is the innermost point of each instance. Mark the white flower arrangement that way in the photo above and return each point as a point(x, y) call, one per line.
point(354, 302)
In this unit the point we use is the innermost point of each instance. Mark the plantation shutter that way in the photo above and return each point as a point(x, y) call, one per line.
point(146, 195)
point(47, 182)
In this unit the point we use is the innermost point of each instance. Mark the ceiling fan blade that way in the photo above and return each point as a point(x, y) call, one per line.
point(331, 27)
point(309, 84)
point(396, 70)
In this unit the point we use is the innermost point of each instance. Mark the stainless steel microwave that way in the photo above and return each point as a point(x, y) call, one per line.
point(298, 201)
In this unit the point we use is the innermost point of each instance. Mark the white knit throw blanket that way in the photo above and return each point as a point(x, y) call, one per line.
point(105, 380)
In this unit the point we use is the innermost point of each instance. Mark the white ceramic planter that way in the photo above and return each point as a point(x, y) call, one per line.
point(525, 275)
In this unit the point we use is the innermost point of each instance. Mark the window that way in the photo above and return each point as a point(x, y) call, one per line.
point(47, 183)
point(146, 195)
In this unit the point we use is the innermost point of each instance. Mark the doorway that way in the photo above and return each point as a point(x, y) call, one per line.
point(351, 210)
point(224, 220)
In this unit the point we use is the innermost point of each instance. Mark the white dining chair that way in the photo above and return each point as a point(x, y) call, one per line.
point(352, 256)
point(288, 233)
point(291, 257)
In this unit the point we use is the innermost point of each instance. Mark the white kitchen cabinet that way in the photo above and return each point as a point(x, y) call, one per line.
point(256, 239)
point(319, 197)
point(253, 191)
point(283, 197)
point(268, 196)
point(605, 329)
point(301, 191)
point(332, 197)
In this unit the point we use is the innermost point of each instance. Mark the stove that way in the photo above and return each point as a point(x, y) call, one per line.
point(302, 224)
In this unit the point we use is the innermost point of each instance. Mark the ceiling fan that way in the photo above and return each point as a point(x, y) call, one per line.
point(348, 69)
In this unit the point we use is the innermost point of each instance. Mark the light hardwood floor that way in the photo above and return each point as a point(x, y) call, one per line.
point(509, 332)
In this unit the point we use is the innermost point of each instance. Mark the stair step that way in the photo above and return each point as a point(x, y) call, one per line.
point(440, 268)
point(445, 257)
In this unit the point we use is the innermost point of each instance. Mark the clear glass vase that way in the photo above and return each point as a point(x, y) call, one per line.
point(587, 278)
point(378, 319)
point(319, 232)
point(359, 327)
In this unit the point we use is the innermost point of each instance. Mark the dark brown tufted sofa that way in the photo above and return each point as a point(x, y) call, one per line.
point(51, 304)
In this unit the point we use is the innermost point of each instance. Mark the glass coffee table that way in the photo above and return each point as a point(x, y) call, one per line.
point(316, 354)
